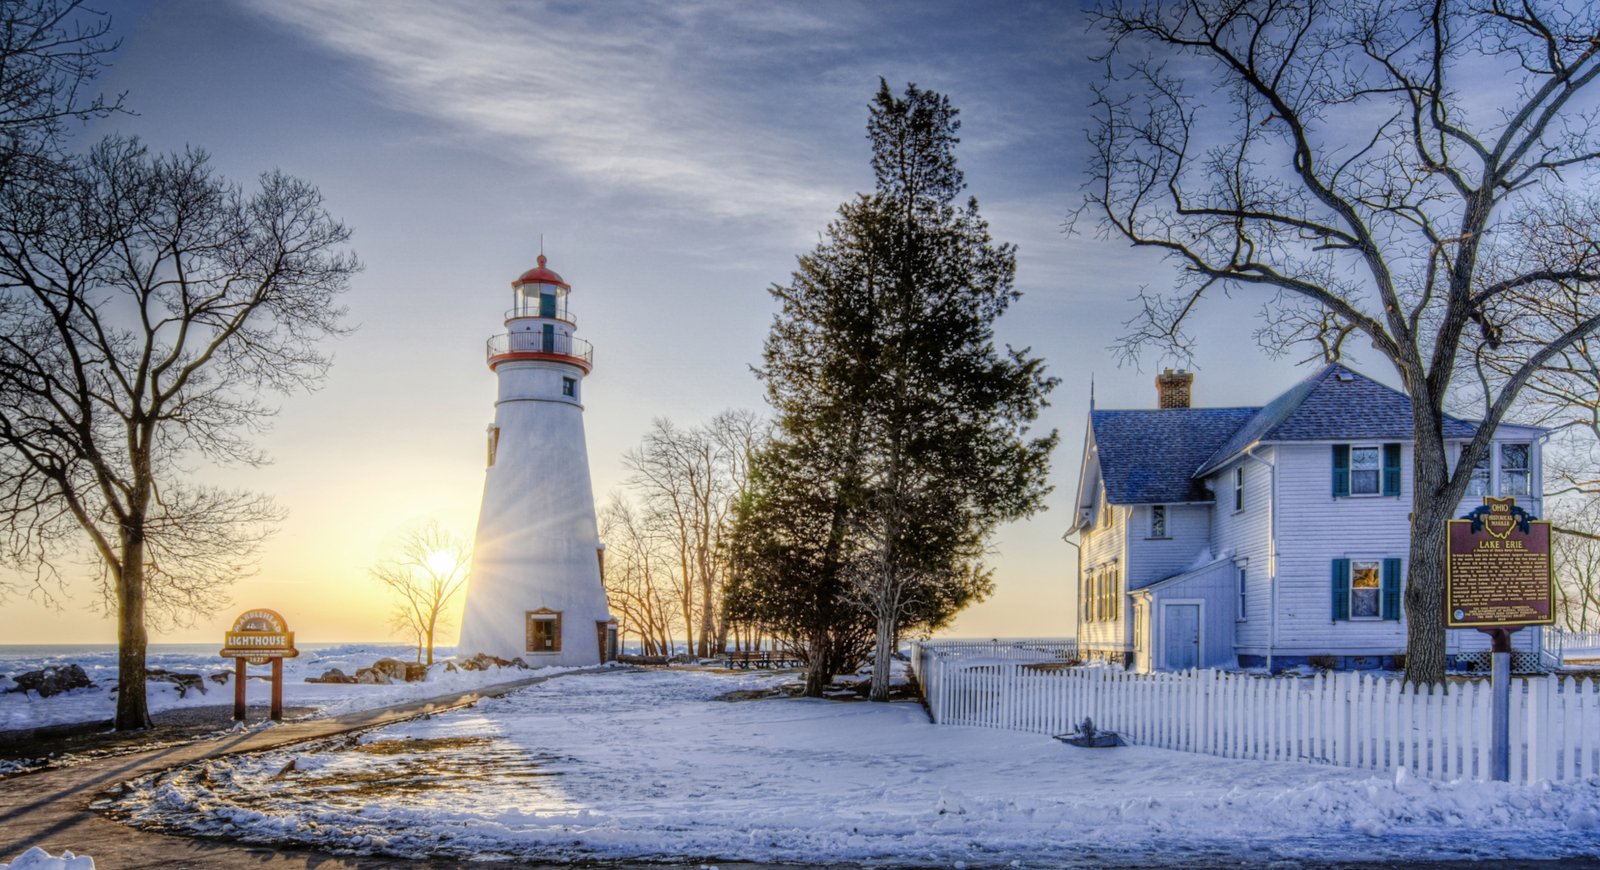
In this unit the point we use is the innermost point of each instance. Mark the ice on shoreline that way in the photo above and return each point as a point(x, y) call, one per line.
point(20, 711)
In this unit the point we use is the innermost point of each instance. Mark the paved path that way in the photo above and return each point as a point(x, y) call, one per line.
point(51, 808)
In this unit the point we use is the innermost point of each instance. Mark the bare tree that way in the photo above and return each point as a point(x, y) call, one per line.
point(1414, 177)
point(1576, 553)
point(639, 581)
point(689, 481)
point(148, 310)
point(431, 568)
point(50, 53)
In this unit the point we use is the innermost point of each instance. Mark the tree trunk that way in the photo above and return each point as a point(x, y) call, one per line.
point(430, 646)
point(819, 669)
point(708, 613)
point(1424, 594)
point(133, 708)
point(883, 656)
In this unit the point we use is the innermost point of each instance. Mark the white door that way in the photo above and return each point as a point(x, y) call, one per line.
point(1181, 636)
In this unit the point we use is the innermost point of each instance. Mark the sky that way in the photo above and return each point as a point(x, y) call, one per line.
point(675, 158)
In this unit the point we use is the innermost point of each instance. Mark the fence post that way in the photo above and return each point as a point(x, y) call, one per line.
point(1539, 748)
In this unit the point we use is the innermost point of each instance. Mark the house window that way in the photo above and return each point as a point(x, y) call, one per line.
point(1100, 597)
point(1516, 474)
point(1366, 589)
point(1242, 578)
point(1105, 515)
point(1158, 521)
point(1479, 483)
point(1366, 466)
point(544, 631)
point(1238, 489)
point(569, 386)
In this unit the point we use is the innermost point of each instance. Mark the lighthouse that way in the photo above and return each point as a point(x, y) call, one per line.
point(536, 590)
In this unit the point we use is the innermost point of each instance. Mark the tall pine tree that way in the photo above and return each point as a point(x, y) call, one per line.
point(883, 369)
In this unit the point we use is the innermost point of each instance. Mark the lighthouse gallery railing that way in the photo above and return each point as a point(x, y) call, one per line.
point(539, 342)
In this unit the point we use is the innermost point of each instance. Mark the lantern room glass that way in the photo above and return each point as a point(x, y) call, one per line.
point(541, 300)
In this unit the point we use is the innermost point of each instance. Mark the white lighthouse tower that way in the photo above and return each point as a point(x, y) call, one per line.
point(536, 590)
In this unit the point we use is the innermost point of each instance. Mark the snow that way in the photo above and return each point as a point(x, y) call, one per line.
point(647, 765)
point(20, 710)
point(38, 859)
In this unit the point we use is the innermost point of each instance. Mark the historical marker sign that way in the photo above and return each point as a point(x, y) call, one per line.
point(1497, 569)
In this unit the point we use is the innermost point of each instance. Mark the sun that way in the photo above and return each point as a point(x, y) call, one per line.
point(441, 563)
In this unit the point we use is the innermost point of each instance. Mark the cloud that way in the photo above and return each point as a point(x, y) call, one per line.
point(629, 99)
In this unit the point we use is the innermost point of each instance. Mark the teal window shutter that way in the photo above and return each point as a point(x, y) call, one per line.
point(1391, 469)
point(1341, 470)
point(1391, 589)
point(1341, 590)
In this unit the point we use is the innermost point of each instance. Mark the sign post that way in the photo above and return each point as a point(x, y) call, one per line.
point(259, 636)
point(1498, 580)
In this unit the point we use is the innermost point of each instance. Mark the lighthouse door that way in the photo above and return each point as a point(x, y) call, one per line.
point(549, 345)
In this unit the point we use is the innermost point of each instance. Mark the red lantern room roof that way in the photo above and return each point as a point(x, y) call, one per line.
point(541, 275)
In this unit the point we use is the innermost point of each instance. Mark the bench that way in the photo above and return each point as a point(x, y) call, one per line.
point(760, 659)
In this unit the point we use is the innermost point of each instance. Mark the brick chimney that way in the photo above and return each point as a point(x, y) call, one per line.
point(1172, 388)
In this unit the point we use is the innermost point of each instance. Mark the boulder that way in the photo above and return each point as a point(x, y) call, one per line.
point(332, 675)
point(221, 678)
point(416, 672)
point(52, 680)
point(394, 669)
point(484, 661)
point(184, 682)
point(372, 676)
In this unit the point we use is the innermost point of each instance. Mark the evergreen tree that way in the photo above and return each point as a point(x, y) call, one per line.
point(910, 425)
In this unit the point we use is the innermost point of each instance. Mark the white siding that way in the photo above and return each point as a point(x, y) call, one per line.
point(1212, 585)
point(1188, 535)
point(1103, 547)
point(1244, 536)
point(1314, 528)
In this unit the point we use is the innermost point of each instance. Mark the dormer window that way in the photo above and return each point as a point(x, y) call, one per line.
point(1506, 469)
point(1516, 470)
point(1479, 484)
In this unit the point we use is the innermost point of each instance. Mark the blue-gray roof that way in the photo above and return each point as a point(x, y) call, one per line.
point(1149, 456)
point(1334, 403)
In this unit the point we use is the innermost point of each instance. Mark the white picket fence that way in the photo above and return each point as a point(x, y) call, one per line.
point(1345, 719)
point(1022, 650)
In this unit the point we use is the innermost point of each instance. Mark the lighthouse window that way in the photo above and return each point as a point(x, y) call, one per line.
point(569, 386)
point(544, 631)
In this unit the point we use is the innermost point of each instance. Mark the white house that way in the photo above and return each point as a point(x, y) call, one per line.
point(1265, 537)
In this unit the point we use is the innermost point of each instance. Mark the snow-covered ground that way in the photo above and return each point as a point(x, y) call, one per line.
point(647, 765)
point(20, 710)
point(38, 859)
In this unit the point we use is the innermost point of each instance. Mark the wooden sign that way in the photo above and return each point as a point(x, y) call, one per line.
point(258, 637)
point(1497, 569)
